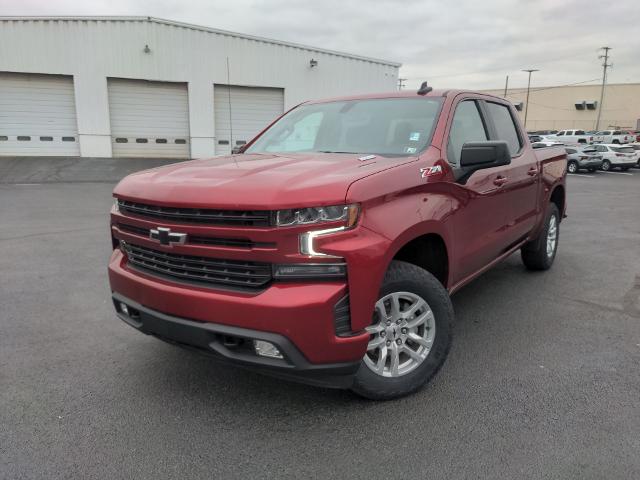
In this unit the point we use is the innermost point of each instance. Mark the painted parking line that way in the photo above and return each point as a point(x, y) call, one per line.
point(581, 175)
point(619, 173)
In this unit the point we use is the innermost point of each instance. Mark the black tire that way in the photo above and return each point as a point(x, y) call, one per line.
point(534, 253)
point(573, 167)
point(405, 277)
point(606, 166)
point(616, 142)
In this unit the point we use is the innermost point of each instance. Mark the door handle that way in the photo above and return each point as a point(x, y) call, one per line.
point(533, 171)
point(499, 181)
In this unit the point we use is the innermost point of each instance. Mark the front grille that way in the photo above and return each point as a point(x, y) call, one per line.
point(200, 270)
point(201, 240)
point(242, 218)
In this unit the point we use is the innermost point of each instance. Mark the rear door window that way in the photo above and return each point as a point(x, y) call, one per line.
point(505, 126)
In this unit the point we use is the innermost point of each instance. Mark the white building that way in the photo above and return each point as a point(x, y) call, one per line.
point(142, 86)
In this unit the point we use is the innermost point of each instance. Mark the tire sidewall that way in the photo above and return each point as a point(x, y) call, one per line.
point(552, 211)
point(573, 167)
point(606, 165)
point(438, 301)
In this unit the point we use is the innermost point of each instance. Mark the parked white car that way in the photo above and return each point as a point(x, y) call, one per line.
point(617, 156)
point(571, 136)
point(636, 147)
point(612, 136)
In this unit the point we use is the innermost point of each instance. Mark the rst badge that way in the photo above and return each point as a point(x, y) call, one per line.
point(166, 237)
point(428, 171)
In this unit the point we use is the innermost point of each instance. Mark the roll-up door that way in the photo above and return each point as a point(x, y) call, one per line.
point(252, 109)
point(148, 119)
point(37, 115)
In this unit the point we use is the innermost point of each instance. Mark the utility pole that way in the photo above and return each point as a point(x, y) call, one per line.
point(506, 85)
point(605, 65)
point(526, 107)
point(401, 83)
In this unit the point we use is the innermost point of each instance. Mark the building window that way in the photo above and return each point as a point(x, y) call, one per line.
point(142, 140)
point(23, 138)
point(122, 140)
point(46, 139)
point(68, 139)
point(180, 141)
point(161, 140)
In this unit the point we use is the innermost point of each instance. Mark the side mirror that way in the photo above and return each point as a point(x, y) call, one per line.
point(238, 149)
point(479, 155)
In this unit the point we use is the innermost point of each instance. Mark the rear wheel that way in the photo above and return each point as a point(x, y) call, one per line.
point(540, 253)
point(572, 167)
point(410, 334)
point(606, 166)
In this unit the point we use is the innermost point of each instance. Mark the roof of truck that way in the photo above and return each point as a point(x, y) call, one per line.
point(404, 94)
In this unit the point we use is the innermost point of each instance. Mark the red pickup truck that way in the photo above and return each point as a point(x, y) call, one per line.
point(326, 251)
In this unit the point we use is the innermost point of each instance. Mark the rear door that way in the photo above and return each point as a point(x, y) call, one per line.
point(521, 187)
point(479, 220)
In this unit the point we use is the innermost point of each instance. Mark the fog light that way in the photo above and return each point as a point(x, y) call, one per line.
point(266, 349)
point(124, 309)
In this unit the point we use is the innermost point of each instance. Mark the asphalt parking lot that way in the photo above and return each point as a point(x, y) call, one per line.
point(543, 380)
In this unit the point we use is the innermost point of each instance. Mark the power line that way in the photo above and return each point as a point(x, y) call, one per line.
point(605, 65)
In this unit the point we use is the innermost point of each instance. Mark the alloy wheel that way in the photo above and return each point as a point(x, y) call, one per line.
point(401, 335)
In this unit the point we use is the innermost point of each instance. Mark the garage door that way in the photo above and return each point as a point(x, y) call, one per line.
point(37, 115)
point(252, 109)
point(148, 119)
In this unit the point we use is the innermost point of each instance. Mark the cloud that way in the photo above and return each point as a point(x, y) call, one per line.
point(461, 44)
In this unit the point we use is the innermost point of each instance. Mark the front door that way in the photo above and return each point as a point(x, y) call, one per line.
point(479, 221)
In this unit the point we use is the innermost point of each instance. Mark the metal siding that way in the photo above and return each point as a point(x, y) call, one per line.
point(148, 110)
point(36, 106)
point(252, 109)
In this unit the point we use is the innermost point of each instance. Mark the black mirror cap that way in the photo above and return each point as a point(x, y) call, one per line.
point(237, 150)
point(477, 155)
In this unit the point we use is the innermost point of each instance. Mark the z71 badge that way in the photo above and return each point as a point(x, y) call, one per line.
point(428, 171)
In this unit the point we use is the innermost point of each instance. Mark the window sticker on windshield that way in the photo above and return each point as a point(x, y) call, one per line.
point(409, 149)
point(414, 137)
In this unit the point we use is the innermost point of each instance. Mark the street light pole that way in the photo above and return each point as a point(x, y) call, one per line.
point(526, 107)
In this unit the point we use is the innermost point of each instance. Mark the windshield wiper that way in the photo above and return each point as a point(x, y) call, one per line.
point(331, 151)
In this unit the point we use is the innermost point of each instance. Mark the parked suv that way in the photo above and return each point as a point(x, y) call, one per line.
point(586, 158)
point(616, 156)
point(326, 251)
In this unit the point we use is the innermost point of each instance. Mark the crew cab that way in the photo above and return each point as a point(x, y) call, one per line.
point(327, 250)
point(571, 136)
point(613, 136)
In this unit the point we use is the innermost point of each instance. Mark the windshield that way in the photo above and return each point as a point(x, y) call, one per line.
point(387, 126)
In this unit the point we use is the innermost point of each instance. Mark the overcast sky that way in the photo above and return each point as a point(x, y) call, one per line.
point(461, 43)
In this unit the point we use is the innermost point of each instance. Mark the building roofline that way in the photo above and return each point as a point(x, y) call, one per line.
point(191, 26)
point(550, 87)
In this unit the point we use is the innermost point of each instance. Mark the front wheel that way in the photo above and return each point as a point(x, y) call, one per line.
point(409, 337)
point(540, 253)
point(606, 166)
point(572, 167)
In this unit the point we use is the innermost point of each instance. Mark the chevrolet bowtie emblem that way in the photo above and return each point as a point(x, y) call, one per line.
point(166, 237)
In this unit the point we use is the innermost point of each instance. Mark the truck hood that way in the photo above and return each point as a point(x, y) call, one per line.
point(254, 181)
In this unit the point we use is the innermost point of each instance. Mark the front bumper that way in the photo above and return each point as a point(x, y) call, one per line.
point(234, 345)
point(302, 313)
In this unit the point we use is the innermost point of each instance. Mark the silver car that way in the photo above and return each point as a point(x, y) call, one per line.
point(585, 158)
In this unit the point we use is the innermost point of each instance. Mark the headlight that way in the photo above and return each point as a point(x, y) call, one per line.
point(115, 205)
point(314, 215)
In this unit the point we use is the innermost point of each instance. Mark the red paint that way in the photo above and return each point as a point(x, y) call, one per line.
point(480, 223)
